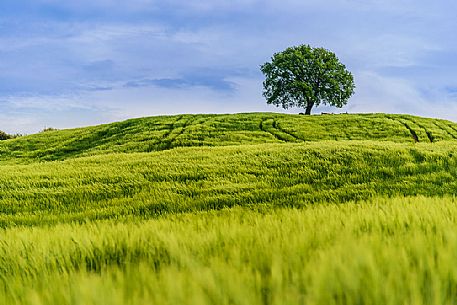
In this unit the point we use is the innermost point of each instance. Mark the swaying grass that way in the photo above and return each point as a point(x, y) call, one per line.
point(396, 251)
point(232, 209)
point(195, 179)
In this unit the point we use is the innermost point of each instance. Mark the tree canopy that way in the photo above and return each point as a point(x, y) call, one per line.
point(305, 77)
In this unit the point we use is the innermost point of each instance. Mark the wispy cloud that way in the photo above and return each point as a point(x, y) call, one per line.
point(177, 83)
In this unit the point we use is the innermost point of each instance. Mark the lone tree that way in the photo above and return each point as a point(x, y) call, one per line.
point(305, 77)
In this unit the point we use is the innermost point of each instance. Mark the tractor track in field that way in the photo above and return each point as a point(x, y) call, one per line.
point(411, 131)
point(451, 127)
point(278, 127)
point(170, 130)
point(170, 139)
point(183, 128)
point(430, 136)
point(166, 139)
point(446, 129)
point(262, 127)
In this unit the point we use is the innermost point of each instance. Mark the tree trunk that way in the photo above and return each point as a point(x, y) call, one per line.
point(308, 108)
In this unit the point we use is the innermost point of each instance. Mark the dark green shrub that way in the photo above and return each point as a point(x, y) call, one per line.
point(5, 136)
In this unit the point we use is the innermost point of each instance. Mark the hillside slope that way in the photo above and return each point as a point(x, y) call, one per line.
point(211, 178)
point(232, 209)
point(166, 132)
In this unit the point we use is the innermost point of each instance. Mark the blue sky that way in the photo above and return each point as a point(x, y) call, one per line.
point(75, 63)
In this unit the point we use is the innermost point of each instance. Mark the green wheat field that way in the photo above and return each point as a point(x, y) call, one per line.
point(255, 208)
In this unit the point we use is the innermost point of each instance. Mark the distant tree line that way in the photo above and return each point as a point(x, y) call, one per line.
point(6, 136)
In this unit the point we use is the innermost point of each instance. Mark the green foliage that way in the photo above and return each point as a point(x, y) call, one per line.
point(305, 77)
point(46, 129)
point(5, 136)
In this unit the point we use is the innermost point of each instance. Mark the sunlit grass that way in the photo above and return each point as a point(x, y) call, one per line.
point(232, 209)
point(194, 179)
point(385, 251)
point(166, 132)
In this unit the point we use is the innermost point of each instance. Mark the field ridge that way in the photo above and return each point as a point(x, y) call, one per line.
point(168, 132)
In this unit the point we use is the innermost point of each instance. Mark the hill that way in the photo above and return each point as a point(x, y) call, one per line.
point(166, 132)
point(232, 209)
point(172, 164)
point(193, 179)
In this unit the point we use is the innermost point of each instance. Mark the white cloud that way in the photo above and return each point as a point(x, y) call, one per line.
point(376, 93)
point(31, 114)
point(102, 33)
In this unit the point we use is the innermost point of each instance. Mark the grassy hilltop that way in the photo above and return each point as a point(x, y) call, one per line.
point(166, 132)
point(232, 209)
